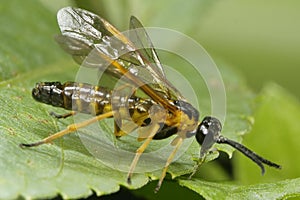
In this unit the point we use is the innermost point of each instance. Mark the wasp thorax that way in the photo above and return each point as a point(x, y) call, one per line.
point(158, 114)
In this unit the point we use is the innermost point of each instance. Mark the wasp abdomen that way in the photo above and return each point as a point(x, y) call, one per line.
point(81, 97)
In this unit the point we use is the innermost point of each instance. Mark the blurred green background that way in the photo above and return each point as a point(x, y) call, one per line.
point(261, 40)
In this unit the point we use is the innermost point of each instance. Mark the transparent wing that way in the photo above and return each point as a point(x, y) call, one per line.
point(91, 39)
point(144, 47)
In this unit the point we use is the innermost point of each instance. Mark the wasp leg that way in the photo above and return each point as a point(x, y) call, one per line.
point(169, 160)
point(158, 116)
point(152, 131)
point(66, 115)
point(196, 166)
point(127, 127)
point(71, 128)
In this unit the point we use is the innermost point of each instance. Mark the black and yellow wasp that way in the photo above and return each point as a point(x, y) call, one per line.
point(164, 111)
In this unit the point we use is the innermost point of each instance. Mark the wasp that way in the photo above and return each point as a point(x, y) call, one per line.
point(164, 111)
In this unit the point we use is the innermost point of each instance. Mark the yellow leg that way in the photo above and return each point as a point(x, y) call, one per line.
point(153, 129)
point(169, 160)
point(157, 115)
point(71, 128)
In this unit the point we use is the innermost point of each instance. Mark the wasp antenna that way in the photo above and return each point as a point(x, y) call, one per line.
point(247, 152)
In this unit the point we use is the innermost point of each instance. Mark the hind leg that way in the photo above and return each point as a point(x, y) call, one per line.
point(71, 128)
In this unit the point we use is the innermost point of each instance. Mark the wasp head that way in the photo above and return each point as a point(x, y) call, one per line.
point(208, 133)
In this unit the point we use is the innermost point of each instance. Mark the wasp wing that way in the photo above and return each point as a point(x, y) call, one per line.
point(81, 32)
point(141, 40)
point(91, 39)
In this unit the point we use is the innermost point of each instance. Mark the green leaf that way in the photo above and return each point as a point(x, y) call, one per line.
point(29, 55)
point(277, 190)
point(280, 129)
point(65, 168)
point(27, 39)
point(277, 122)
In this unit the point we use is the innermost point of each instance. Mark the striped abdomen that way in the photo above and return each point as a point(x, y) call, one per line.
point(95, 100)
point(89, 99)
point(84, 98)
